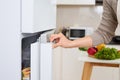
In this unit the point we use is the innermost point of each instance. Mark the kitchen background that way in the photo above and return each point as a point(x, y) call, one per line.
point(76, 15)
point(20, 20)
point(66, 65)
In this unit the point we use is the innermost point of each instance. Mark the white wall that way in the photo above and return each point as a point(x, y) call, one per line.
point(117, 32)
point(80, 16)
point(10, 40)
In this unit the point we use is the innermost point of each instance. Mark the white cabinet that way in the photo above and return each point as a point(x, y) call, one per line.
point(37, 15)
point(71, 66)
point(76, 2)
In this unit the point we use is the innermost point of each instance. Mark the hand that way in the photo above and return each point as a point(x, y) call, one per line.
point(60, 40)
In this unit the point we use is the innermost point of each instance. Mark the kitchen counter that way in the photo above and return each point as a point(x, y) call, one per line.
point(84, 57)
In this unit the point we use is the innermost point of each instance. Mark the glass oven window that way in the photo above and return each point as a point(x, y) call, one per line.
point(77, 33)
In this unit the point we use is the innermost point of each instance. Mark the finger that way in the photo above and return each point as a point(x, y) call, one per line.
point(56, 45)
point(53, 37)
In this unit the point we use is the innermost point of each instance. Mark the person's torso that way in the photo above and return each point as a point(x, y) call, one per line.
point(115, 5)
point(118, 12)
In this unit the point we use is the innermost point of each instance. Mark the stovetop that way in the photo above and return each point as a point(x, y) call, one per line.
point(115, 41)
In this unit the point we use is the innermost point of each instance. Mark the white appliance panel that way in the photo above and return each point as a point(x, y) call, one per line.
point(41, 61)
point(46, 61)
point(37, 15)
point(34, 65)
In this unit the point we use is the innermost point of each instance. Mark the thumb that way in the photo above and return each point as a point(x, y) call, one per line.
point(56, 45)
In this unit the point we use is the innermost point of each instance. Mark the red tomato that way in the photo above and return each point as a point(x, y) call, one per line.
point(92, 50)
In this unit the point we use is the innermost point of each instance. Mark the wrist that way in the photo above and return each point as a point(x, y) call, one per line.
point(72, 44)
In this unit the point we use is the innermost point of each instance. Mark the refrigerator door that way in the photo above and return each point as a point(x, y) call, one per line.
point(37, 15)
point(45, 57)
point(34, 61)
point(41, 59)
point(45, 61)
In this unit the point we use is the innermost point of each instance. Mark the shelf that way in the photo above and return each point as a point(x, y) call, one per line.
point(75, 2)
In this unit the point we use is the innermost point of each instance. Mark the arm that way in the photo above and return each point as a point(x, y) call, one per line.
point(61, 40)
point(108, 25)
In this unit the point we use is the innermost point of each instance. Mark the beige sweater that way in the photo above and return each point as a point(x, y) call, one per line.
point(118, 12)
point(108, 25)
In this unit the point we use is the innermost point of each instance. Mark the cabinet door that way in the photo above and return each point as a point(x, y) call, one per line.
point(71, 67)
point(37, 15)
point(76, 2)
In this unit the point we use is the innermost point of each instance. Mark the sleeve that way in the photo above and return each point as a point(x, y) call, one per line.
point(108, 25)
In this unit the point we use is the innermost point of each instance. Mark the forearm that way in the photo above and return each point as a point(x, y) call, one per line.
point(61, 40)
point(82, 42)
